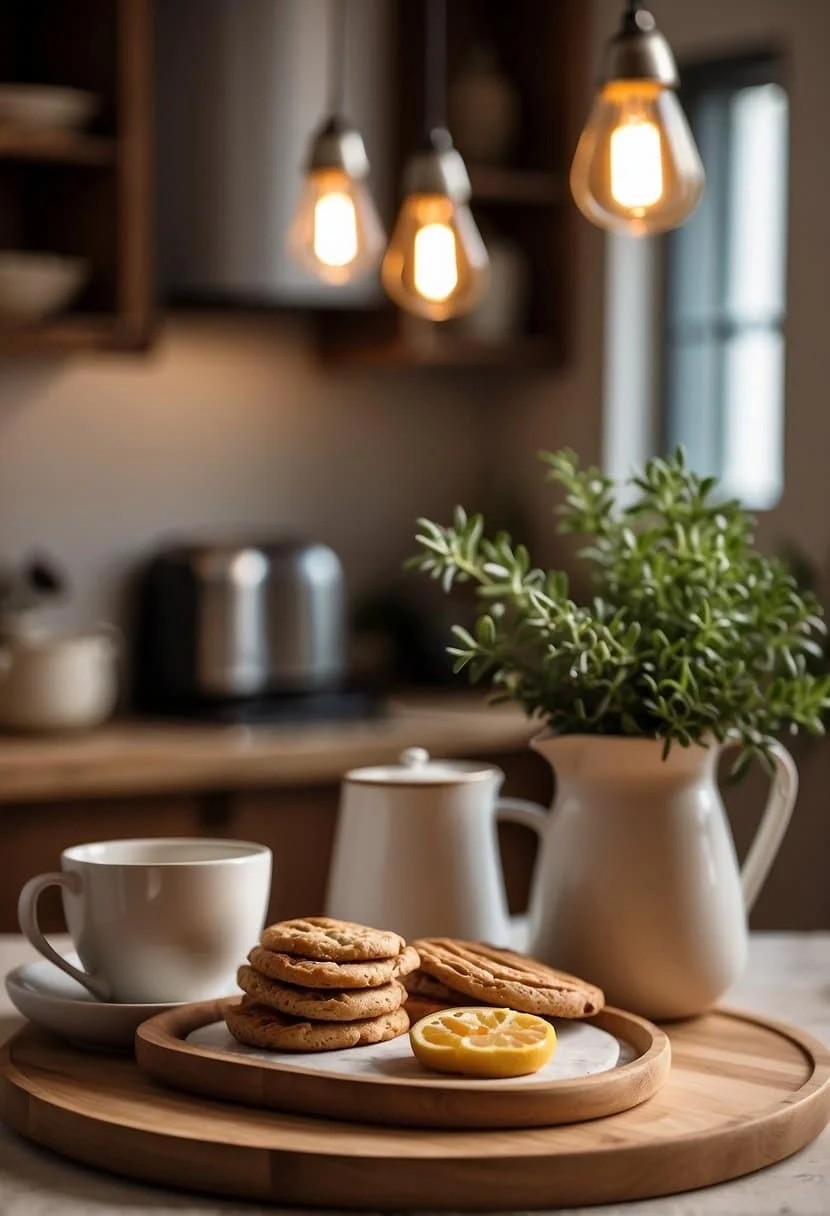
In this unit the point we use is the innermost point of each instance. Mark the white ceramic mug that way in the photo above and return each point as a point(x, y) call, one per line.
point(156, 921)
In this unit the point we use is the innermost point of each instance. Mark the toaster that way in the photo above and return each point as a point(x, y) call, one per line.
point(231, 620)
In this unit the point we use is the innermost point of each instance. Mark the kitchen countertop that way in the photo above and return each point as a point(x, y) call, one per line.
point(788, 977)
point(147, 757)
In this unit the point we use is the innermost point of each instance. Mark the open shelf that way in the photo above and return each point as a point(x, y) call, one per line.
point(455, 350)
point(527, 187)
point(65, 334)
point(78, 193)
point(58, 147)
point(520, 202)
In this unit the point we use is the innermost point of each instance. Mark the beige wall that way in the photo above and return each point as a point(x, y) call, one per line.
point(228, 422)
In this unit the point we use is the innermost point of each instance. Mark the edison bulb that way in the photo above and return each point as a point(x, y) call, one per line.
point(336, 232)
point(436, 265)
point(637, 168)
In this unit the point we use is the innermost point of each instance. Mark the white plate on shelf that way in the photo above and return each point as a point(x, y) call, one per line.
point(46, 107)
point(56, 1002)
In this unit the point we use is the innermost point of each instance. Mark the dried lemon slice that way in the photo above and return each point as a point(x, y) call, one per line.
point(482, 1042)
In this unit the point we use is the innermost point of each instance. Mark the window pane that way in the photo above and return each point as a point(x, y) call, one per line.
point(754, 418)
point(694, 411)
point(694, 250)
point(757, 221)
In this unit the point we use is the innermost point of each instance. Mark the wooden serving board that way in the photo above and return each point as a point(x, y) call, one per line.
point(742, 1093)
point(385, 1084)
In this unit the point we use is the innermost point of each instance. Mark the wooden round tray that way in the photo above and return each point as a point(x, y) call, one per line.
point(742, 1093)
point(380, 1089)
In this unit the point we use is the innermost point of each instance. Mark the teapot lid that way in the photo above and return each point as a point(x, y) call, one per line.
point(416, 768)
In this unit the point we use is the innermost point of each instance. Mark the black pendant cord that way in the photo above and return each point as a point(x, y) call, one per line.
point(435, 84)
point(337, 56)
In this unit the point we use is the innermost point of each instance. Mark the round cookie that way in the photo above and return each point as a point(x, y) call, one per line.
point(257, 1026)
point(423, 986)
point(321, 1004)
point(418, 1007)
point(329, 940)
point(500, 977)
point(315, 973)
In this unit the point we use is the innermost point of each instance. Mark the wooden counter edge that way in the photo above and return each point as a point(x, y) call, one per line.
point(137, 757)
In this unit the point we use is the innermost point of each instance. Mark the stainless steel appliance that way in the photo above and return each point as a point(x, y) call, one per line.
point(241, 629)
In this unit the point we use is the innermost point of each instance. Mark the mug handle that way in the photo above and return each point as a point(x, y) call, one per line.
point(773, 825)
point(27, 917)
point(527, 815)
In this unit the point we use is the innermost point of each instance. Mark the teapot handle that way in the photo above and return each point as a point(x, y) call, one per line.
point(773, 825)
point(527, 815)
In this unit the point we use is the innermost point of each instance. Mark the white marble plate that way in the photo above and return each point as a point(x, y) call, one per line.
point(48, 997)
point(582, 1049)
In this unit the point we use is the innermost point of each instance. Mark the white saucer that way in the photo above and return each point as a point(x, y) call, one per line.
point(53, 1000)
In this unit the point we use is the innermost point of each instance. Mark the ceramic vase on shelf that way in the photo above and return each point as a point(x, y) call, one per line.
point(637, 886)
point(483, 108)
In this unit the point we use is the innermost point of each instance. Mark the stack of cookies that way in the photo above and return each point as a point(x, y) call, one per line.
point(317, 984)
point(455, 973)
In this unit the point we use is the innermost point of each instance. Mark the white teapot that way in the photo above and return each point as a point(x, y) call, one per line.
point(416, 848)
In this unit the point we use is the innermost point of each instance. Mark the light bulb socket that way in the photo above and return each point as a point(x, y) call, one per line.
point(338, 145)
point(638, 51)
point(438, 168)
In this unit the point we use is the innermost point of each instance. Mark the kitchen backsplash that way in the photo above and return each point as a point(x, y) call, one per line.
point(228, 423)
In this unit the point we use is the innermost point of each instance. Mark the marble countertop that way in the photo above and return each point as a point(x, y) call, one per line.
point(148, 757)
point(788, 977)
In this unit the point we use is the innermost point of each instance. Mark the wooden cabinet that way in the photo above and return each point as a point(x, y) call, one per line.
point(296, 822)
point(84, 194)
point(298, 826)
point(35, 834)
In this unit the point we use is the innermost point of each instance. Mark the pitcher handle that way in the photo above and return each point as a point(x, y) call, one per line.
point(773, 825)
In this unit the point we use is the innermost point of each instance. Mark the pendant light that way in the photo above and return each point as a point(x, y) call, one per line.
point(436, 265)
point(336, 232)
point(637, 169)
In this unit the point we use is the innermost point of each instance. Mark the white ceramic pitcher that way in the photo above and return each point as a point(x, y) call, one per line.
point(416, 848)
point(637, 886)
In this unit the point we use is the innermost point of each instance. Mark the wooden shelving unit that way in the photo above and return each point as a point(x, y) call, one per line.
point(56, 147)
point(531, 187)
point(83, 193)
point(524, 203)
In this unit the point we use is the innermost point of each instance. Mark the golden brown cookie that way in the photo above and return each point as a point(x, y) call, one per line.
point(321, 1004)
point(315, 973)
point(423, 986)
point(500, 977)
point(257, 1026)
point(418, 1007)
point(335, 941)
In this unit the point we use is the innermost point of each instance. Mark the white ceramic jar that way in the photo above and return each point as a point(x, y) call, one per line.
point(58, 682)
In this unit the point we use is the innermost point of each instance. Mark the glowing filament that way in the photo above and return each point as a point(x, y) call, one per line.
point(335, 229)
point(636, 165)
point(436, 268)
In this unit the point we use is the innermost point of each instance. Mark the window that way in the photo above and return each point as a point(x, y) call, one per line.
point(723, 354)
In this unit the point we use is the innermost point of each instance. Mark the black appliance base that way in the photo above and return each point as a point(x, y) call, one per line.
point(345, 705)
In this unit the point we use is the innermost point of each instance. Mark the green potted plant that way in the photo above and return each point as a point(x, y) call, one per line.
point(691, 641)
